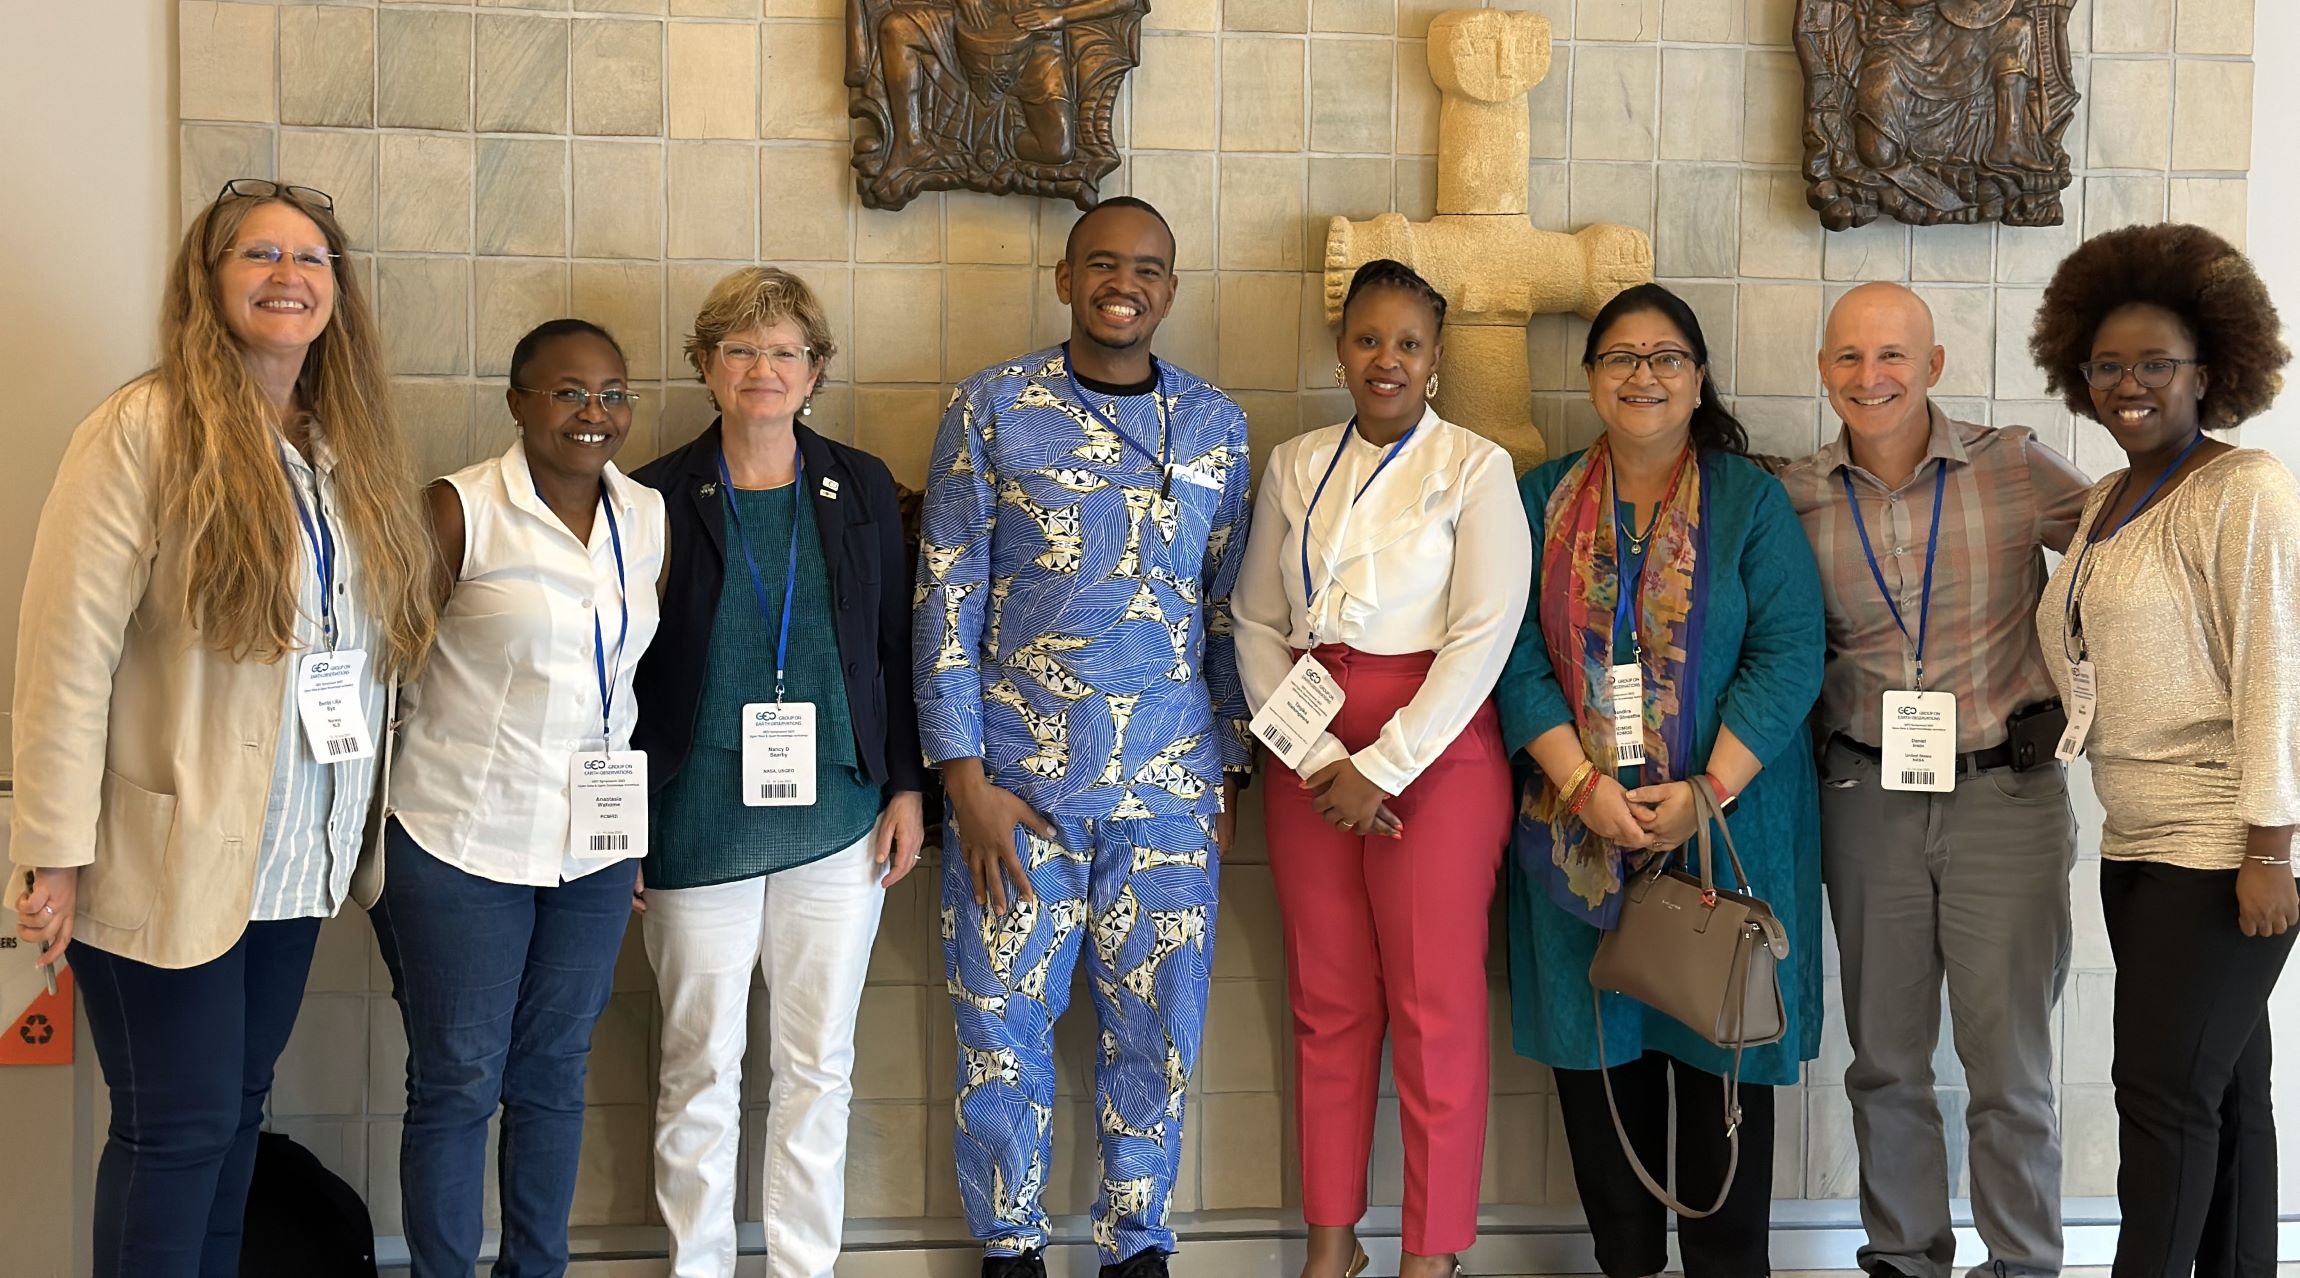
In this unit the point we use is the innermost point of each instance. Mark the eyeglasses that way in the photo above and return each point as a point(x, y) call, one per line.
point(265, 188)
point(310, 259)
point(783, 359)
point(1622, 365)
point(577, 398)
point(2153, 374)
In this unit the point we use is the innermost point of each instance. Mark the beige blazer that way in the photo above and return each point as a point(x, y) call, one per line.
point(143, 754)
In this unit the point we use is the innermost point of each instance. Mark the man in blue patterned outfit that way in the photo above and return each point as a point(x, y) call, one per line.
point(1085, 519)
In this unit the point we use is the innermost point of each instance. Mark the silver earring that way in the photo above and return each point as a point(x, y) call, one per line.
point(1430, 392)
point(807, 409)
point(1341, 375)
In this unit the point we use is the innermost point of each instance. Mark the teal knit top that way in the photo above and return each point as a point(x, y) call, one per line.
point(703, 833)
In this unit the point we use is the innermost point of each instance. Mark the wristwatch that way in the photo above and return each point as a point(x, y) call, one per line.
point(1726, 801)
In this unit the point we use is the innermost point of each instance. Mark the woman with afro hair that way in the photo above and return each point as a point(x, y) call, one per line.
point(2181, 672)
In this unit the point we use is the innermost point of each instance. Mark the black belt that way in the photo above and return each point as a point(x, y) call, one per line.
point(1970, 763)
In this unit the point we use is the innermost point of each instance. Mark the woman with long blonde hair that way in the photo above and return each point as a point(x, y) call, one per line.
point(230, 575)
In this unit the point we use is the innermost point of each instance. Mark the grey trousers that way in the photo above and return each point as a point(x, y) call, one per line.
point(1971, 886)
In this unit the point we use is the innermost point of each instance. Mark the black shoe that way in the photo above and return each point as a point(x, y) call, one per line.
point(1146, 1263)
point(1027, 1265)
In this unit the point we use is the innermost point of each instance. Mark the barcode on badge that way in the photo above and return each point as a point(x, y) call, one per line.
point(610, 843)
point(779, 790)
point(1280, 742)
point(1916, 778)
point(340, 746)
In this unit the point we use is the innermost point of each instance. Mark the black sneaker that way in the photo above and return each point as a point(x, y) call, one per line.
point(1026, 1265)
point(1146, 1263)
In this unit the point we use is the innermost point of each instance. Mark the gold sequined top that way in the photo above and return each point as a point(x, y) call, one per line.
point(2189, 618)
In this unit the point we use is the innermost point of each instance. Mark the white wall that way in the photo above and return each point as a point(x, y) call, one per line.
point(87, 88)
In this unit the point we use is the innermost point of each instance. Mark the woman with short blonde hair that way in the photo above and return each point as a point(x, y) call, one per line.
point(775, 710)
point(230, 574)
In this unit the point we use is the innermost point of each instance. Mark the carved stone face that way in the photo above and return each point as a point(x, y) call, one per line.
point(1489, 55)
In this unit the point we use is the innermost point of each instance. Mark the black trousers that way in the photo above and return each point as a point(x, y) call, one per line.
point(2197, 1184)
point(1628, 1224)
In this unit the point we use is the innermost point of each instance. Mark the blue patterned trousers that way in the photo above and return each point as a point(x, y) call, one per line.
point(1142, 892)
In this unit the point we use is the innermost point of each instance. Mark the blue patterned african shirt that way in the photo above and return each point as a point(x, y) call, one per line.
point(1073, 610)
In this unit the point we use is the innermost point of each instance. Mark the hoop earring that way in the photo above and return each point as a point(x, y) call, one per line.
point(1430, 391)
point(1341, 375)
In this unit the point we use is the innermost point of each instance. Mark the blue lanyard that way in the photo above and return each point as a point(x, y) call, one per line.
point(790, 575)
point(1932, 546)
point(322, 541)
point(1632, 586)
point(1165, 456)
point(2076, 570)
point(598, 635)
point(1309, 594)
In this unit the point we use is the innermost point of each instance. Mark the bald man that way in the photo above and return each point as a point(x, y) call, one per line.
point(1946, 835)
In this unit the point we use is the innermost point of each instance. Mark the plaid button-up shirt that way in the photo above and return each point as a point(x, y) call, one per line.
point(2007, 498)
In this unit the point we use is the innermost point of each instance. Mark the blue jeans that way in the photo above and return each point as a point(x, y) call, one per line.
point(499, 985)
point(187, 1055)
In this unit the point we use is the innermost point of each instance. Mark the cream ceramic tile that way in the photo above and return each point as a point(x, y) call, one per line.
point(1772, 107)
point(1878, 251)
point(626, 299)
point(2111, 202)
point(522, 73)
point(1635, 20)
point(1350, 95)
point(1614, 101)
point(994, 229)
point(1414, 16)
point(1419, 103)
point(910, 234)
point(1962, 254)
point(898, 325)
point(888, 1028)
point(1832, 1162)
point(886, 1159)
point(1246, 1037)
point(1173, 107)
point(423, 69)
point(514, 295)
point(1964, 323)
point(713, 79)
point(1184, 15)
point(437, 417)
point(715, 8)
point(2210, 128)
point(1700, 89)
point(1265, 15)
point(618, 78)
point(426, 185)
point(1360, 17)
point(1260, 327)
point(424, 305)
point(2219, 204)
point(327, 66)
point(1241, 1150)
point(2131, 113)
point(310, 1078)
point(1771, 22)
point(1261, 213)
point(1261, 94)
point(2131, 26)
point(1250, 946)
point(618, 199)
point(1707, 21)
point(1616, 193)
point(1698, 231)
point(1187, 338)
point(612, 1179)
point(1780, 330)
point(1516, 1135)
point(713, 190)
point(2030, 254)
point(802, 81)
point(227, 61)
point(989, 317)
point(341, 164)
point(520, 196)
point(2017, 376)
point(2214, 27)
point(803, 202)
point(1181, 186)
point(2088, 1144)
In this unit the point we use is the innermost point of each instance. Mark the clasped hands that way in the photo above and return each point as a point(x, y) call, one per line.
point(1655, 818)
point(1350, 803)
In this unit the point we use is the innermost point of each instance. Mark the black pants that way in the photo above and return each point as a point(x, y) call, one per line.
point(1627, 1223)
point(2197, 1185)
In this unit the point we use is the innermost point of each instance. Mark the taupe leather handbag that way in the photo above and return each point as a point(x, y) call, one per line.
point(1706, 957)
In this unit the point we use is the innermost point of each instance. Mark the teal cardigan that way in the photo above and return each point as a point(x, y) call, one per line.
point(1760, 674)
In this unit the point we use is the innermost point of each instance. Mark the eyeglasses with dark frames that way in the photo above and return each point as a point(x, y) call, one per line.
point(2152, 374)
point(1622, 365)
point(265, 189)
point(577, 398)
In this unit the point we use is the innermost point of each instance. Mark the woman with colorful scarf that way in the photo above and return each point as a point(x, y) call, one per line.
point(1660, 550)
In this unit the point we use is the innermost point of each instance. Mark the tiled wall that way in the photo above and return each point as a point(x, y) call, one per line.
point(512, 160)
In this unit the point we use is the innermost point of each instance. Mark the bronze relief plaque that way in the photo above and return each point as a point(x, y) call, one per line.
point(1936, 111)
point(1001, 96)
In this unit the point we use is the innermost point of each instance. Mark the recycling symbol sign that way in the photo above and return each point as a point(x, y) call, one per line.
point(36, 1030)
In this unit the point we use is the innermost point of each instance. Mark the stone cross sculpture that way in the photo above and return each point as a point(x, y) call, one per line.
point(1496, 271)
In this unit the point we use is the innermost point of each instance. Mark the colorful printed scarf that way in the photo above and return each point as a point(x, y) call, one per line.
point(1581, 585)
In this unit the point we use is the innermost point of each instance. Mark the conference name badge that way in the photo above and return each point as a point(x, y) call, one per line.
point(607, 803)
point(1297, 713)
point(327, 700)
point(1628, 714)
point(779, 754)
point(1920, 742)
point(2083, 702)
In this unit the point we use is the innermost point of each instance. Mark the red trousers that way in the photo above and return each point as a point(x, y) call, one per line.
point(1390, 935)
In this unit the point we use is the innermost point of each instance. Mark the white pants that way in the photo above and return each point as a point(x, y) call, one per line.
point(809, 929)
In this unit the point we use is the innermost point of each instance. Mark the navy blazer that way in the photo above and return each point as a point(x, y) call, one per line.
point(870, 580)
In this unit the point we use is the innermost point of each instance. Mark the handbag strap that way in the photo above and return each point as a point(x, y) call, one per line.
point(1708, 816)
point(1737, 1001)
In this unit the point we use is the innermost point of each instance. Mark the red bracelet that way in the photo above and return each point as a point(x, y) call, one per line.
point(1580, 799)
point(1717, 788)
